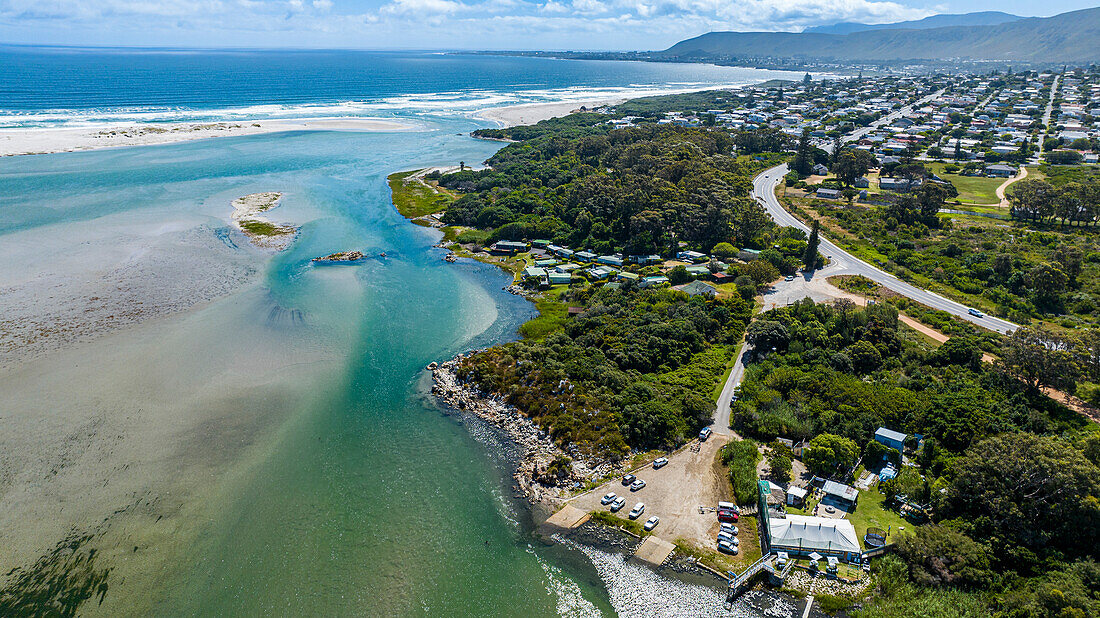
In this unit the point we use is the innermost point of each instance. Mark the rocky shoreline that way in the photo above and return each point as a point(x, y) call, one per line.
point(538, 451)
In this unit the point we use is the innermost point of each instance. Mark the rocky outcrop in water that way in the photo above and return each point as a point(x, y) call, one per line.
point(343, 256)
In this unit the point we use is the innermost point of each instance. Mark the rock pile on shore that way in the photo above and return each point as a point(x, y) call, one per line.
point(539, 451)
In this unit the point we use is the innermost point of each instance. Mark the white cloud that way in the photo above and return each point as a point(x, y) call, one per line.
point(484, 24)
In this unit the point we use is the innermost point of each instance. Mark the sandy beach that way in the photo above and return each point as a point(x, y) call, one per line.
point(531, 113)
point(43, 141)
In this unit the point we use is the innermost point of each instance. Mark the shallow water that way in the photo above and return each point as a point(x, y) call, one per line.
point(242, 433)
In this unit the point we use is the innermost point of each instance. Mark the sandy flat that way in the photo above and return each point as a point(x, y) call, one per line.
point(531, 113)
point(42, 141)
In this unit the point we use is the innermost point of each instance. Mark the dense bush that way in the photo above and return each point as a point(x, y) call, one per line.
point(635, 370)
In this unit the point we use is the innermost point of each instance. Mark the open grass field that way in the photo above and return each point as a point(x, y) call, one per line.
point(972, 189)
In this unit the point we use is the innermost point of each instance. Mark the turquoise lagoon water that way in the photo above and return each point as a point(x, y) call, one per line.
point(360, 498)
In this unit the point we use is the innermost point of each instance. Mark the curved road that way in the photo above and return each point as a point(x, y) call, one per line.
point(763, 189)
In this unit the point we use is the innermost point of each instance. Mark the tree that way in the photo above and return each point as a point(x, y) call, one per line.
point(962, 351)
point(1037, 356)
point(1032, 199)
point(1047, 284)
point(1034, 491)
point(803, 159)
point(865, 356)
point(746, 287)
point(851, 165)
point(767, 334)
point(724, 250)
point(780, 465)
point(679, 275)
point(809, 259)
point(940, 556)
point(762, 271)
point(828, 452)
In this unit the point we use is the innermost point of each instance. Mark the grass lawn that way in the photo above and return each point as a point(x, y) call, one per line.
point(414, 198)
point(869, 513)
point(972, 189)
point(553, 315)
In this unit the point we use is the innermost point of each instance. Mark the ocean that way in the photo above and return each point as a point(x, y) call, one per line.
point(242, 433)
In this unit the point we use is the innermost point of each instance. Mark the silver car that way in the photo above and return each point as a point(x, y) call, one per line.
point(608, 499)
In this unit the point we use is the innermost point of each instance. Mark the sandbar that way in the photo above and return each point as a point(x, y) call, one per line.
point(23, 141)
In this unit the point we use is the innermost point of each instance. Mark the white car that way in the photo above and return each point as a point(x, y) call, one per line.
point(727, 548)
point(975, 313)
point(660, 462)
point(636, 485)
point(651, 523)
point(637, 511)
point(618, 504)
point(732, 529)
point(608, 499)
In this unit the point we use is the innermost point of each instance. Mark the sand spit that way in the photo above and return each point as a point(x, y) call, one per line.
point(42, 141)
point(515, 115)
point(261, 231)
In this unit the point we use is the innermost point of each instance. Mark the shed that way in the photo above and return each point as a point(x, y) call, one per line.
point(796, 495)
point(843, 495)
point(827, 193)
point(891, 438)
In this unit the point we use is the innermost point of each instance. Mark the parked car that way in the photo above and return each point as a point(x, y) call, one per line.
point(636, 511)
point(732, 529)
point(728, 516)
point(975, 313)
point(789, 278)
point(628, 479)
point(608, 499)
point(704, 433)
point(651, 523)
point(726, 536)
point(636, 485)
point(618, 503)
point(727, 548)
point(660, 462)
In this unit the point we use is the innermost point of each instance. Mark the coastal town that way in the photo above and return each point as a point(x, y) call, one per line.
point(800, 523)
point(554, 309)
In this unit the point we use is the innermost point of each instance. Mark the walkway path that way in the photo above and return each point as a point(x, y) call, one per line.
point(1001, 189)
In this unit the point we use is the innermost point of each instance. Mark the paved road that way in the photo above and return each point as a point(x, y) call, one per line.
point(843, 263)
point(1047, 112)
point(722, 412)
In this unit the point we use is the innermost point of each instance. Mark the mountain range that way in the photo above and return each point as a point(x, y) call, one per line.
point(1069, 37)
point(984, 18)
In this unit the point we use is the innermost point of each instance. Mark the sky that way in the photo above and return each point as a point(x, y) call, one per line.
point(450, 24)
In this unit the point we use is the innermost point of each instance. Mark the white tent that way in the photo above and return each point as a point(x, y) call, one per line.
point(798, 533)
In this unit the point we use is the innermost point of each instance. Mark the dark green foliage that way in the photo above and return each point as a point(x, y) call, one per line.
point(1033, 491)
point(827, 453)
point(810, 257)
point(639, 190)
point(741, 456)
point(829, 380)
point(635, 370)
point(940, 556)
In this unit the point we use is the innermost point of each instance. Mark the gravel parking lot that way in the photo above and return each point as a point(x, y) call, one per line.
point(674, 494)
